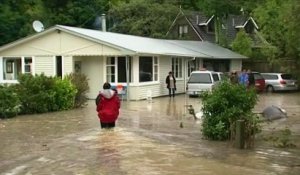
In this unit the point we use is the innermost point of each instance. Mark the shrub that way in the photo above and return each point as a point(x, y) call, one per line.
point(80, 81)
point(40, 93)
point(9, 103)
point(36, 93)
point(224, 106)
point(65, 93)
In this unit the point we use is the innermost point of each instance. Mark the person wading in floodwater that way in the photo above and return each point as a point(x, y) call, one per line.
point(108, 105)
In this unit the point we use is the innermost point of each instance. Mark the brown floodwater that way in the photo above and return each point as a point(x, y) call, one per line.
point(151, 138)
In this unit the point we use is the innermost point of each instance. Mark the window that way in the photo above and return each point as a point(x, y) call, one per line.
point(28, 65)
point(155, 67)
point(177, 67)
point(14, 66)
point(200, 78)
point(122, 69)
point(215, 77)
point(116, 69)
point(110, 69)
point(148, 69)
point(182, 30)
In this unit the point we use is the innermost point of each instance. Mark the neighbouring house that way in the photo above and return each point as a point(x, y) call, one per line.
point(138, 63)
point(191, 25)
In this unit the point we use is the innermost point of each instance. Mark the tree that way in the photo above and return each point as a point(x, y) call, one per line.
point(279, 21)
point(242, 44)
point(143, 17)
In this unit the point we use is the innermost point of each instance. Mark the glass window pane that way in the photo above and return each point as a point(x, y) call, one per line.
point(145, 69)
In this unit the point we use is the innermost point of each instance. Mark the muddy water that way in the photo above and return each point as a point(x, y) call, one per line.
point(157, 137)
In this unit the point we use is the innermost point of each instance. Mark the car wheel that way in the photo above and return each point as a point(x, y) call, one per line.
point(270, 89)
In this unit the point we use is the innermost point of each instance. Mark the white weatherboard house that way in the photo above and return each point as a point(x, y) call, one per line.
point(141, 64)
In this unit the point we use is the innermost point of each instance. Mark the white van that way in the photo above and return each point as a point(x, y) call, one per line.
point(200, 81)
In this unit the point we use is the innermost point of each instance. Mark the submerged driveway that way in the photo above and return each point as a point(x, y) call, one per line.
point(157, 137)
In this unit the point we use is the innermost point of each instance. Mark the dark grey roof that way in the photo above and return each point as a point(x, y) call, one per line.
point(231, 26)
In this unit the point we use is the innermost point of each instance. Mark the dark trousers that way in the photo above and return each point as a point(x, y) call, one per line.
point(172, 92)
point(107, 125)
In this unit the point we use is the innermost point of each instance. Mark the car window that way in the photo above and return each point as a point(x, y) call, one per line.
point(257, 76)
point(286, 76)
point(215, 77)
point(223, 77)
point(270, 77)
point(200, 78)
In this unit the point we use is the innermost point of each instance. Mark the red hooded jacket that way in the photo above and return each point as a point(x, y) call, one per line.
point(108, 106)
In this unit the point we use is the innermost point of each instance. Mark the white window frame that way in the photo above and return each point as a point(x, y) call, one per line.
point(155, 70)
point(23, 69)
point(109, 65)
point(182, 30)
point(177, 67)
point(116, 69)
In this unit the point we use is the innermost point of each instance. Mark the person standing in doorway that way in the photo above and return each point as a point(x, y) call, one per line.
point(108, 106)
point(171, 84)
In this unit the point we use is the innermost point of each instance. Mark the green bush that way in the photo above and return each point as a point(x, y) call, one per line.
point(9, 103)
point(35, 93)
point(65, 93)
point(40, 94)
point(224, 106)
point(80, 81)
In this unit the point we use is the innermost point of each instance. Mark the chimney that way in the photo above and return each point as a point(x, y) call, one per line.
point(197, 17)
point(103, 23)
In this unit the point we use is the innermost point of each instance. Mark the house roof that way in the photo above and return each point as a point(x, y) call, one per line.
point(209, 48)
point(134, 45)
point(199, 21)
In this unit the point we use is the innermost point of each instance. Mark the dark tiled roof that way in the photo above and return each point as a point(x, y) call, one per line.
point(197, 18)
point(231, 26)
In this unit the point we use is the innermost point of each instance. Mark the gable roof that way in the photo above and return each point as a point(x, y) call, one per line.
point(199, 21)
point(135, 45)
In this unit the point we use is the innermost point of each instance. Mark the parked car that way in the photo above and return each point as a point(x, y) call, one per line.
point(259, 81)
point(200, 81)
point(221, 76)
point(279, 82)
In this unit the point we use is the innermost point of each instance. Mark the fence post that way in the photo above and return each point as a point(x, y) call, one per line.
point(240, 134)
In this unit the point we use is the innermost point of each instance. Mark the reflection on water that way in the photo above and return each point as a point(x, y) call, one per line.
point(147, 140)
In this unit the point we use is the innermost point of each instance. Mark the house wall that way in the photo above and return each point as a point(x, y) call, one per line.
point(235, 65)
point(68, 65)
point(93, 68)
point(139, 91)
point(45, 65)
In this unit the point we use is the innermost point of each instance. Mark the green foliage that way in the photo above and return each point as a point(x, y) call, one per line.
point(220, 8)
point(80, 81)
point(39, 94)
point(143, 17)
point(65, 93)
point(224, 106)
point(9, 103)
point(242, 44)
